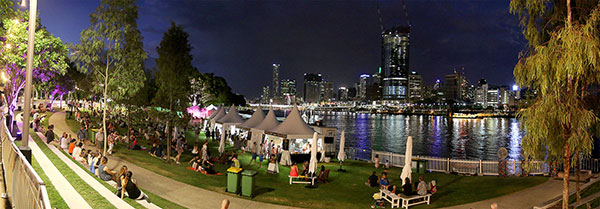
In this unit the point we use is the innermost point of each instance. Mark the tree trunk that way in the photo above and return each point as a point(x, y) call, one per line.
point(128, 125)
point(566, 168)
point(104, 127)
point(167, 128)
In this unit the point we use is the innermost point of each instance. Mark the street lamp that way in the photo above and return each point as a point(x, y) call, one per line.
point(27, 103)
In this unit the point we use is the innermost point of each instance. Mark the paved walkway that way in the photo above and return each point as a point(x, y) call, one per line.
point(64, 188)
point(526, 198)
point(181, 193)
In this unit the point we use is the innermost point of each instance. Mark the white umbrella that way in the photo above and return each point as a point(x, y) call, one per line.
point(407, 171)
point(312, 166)
point(222, 144)
point(342, 155)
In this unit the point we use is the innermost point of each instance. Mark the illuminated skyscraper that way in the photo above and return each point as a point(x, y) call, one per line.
point(275, 86)
point(394, 58)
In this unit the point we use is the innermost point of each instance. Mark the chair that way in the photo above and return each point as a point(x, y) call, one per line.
point(324, 178)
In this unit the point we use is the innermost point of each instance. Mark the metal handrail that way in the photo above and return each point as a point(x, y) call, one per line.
point(24, 187)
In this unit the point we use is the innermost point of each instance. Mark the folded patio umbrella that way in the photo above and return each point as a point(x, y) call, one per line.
point(407, 171)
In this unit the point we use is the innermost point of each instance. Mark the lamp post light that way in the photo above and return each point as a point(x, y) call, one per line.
point(28, 77)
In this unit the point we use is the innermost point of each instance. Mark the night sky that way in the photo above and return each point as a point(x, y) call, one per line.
point(239, 40)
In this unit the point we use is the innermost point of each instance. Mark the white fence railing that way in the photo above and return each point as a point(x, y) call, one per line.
point(480, 167)
point(24, 187)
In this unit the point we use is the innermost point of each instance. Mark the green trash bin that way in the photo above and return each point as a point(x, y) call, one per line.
point(92, 135)
point(419, 166)
point(69, 115)
point(248, 183)
point(233, 180)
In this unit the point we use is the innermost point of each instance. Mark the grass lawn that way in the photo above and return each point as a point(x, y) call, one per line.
point(592, 189)
point(90, 195)
point(346, 190)
point(56, 201)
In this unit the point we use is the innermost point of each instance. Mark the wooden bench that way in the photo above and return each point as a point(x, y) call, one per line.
point(311, 180)
point(402, 200)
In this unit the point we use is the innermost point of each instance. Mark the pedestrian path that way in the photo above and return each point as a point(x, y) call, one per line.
point(64, 188)
point(181, 193)
point(526, 198)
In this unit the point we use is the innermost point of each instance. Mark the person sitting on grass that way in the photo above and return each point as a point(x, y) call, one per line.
point(432, 189)
point(372, 181)
point(122, 173)
point(407, 187)
point(76, 151)
point(94, 163)
point(71, 146)
point(131, 187)
point(384, 182)
point(422, 186)
point(207, 168)
point(50, 134)
point(104, 172)
point(64, 142)
point(321, 172)
point(153, 150)
point(81, 156)
point(294, 170)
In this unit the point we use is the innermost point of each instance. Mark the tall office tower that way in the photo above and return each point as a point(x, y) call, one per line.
point(394, 60)
point(275, 93)
point(481, 93)
point(342, 94)
point(265, 94)
point(362, 87)
point(453, 87)
point(312, 87)
point(327, 90)
point(415, 87)
point(288, 90)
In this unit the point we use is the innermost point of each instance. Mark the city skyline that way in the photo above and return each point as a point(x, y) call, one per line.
point(339, 40)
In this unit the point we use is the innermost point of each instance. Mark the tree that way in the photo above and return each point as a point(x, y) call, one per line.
point(50, 53)
point(59, 85)
point(562, 63)
point(173, 77)
point(210, 89)
point(111, 52)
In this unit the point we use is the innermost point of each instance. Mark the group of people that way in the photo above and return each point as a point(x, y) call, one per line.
point(422, 188)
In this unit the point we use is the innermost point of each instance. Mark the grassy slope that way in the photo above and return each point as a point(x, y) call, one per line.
point(56, 201)
point(88, 193)
point(346, 190)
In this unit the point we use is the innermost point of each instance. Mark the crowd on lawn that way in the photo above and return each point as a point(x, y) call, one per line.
point(125, 184)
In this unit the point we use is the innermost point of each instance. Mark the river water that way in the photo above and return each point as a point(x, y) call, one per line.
point(432, 135)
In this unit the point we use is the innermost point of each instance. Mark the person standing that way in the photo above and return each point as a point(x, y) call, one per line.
point(179, 147)
point(260, 153)
point(82, 135)
point(205, 151)
point(100, 139)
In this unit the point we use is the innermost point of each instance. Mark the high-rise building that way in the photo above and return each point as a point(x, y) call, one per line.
point(362, 86)
point(275, 80)
point(288, 90)
point(265, 95)
point(327, 89)
point(394, 60)
point(342, 94)
point(312, 87)
point(453, 87)
point(493, 97)
point(481, 93)
point(415, 89)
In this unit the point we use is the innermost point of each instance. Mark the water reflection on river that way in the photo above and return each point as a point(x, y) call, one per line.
point(432, 135)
